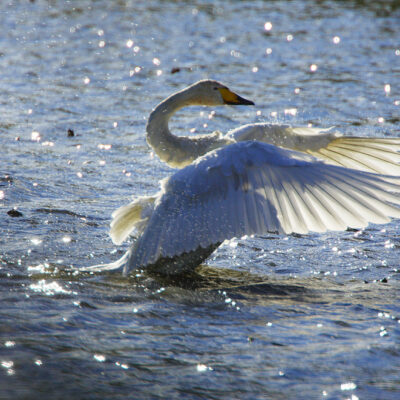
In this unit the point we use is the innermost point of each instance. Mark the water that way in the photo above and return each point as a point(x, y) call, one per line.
point(305, 317)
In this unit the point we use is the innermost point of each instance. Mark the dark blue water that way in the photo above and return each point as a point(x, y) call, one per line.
point(298, 317)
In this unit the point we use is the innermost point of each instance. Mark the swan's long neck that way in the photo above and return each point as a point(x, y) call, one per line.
point(177, 151)
point(166, 145)
point(157, 125)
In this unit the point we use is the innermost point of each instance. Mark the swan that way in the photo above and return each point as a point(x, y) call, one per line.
point(255, 179)
point(379, 155)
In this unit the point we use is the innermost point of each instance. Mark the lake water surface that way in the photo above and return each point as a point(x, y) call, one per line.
point(273, 317)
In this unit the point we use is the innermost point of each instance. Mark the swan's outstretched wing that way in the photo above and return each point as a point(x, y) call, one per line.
point(379, 155)
point(253, 188)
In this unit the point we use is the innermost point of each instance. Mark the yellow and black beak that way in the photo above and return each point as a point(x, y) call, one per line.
point(234, 99)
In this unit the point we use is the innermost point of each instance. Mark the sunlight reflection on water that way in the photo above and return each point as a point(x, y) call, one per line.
point(268, 317)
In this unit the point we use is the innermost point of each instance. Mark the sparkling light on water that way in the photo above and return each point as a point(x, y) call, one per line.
point(268, 26)
point(49, 288)
point(36, 241)
point(35, 136)
point(348, 386)
point(99, 357)
point(203, 368)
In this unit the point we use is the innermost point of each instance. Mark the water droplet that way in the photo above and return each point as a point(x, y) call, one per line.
point(102, 43)
point(289, 38)
point(387, 89)
point(313, 67)
point(268, 51)
point(129, 43)
point(86, 80)
point(336, 40)
point(156, 61)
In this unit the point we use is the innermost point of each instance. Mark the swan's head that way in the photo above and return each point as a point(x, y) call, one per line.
point(212, 93)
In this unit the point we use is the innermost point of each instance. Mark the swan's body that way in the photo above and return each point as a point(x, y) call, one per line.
point(242, 183)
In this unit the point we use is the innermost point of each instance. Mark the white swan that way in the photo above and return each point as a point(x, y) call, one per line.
point(380, 155)
point(238, 184)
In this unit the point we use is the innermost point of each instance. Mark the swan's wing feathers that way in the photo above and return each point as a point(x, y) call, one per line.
point(253, 188)
point(294, 138)
point(379, 155)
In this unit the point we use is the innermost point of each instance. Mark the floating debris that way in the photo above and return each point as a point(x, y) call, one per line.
point(70, 133)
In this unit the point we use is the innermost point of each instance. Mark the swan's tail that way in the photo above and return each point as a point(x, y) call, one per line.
point(115, 266)
point(130, 217)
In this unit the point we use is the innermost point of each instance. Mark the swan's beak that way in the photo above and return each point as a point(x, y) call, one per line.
point(233, 98)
